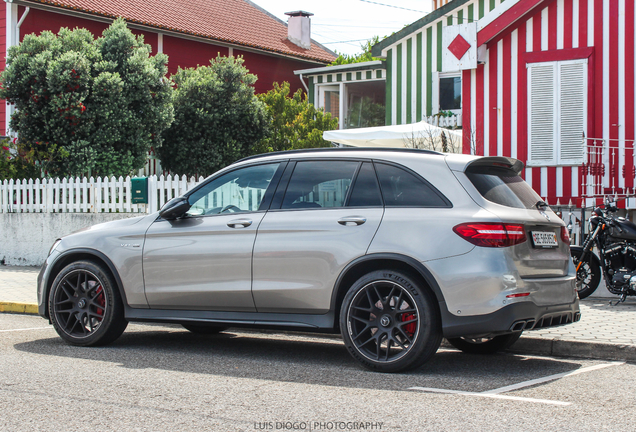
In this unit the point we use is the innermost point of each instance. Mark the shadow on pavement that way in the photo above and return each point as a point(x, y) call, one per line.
point(285, 358)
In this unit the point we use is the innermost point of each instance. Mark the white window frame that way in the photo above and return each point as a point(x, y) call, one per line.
point(334, 86)
point(557, 159)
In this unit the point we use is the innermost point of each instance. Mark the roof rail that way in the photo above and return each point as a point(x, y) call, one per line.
point(345, 149)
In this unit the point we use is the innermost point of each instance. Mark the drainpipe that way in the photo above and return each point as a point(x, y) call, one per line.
point(17, 27)
point(304, 85)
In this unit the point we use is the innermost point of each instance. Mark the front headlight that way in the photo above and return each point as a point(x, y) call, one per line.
point(57, 242)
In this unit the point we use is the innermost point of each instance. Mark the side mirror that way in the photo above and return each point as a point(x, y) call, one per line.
point(174, 208)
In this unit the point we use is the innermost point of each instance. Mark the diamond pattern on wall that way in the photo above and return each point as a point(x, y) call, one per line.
point(458, 47)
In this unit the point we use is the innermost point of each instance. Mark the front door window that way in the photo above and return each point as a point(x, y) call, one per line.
point(239, 191)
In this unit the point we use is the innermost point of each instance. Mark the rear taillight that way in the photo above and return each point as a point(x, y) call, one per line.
point(565, 235)
point(491, 234)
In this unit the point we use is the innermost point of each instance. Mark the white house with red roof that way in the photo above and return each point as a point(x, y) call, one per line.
point(189, 32)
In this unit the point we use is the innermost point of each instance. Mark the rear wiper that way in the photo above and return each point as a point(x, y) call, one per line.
point(541, 205)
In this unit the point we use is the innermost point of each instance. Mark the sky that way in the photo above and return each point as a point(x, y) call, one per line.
point(343, 25)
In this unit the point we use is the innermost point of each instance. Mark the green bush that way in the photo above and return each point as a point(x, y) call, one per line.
point(218, 119)
point(101, 102)
point(15, 163)
point(294, 122)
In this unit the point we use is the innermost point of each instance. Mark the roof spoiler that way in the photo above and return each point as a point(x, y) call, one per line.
point(496, 161)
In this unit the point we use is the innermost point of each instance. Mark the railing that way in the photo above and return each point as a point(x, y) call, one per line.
point(445, 122)
point(101, 195)
point(609, 168)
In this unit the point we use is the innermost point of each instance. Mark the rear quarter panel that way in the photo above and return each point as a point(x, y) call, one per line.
point(427, 233)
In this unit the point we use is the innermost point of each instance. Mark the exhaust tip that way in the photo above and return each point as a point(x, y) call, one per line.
point(518, 326)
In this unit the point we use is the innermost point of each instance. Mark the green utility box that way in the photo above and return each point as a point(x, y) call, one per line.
point(139, 190)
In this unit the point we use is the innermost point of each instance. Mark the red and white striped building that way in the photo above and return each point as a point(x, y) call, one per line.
point(550, 82)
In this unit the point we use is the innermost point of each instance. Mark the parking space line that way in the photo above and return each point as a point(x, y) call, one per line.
point(496, 393)
point(491, 396)
point(551, 378)
point(25, 329)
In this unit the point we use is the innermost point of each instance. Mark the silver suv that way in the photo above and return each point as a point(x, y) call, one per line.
point(394, 249)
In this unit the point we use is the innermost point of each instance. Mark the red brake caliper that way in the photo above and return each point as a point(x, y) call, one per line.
point(409, 329)
point(100, 300)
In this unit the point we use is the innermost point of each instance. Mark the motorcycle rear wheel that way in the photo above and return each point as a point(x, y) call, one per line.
point(589, 274)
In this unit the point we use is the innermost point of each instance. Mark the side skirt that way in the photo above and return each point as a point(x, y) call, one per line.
point(303, 322)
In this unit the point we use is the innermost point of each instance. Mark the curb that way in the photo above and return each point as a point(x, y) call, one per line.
point(578, 349)
point(21, 308)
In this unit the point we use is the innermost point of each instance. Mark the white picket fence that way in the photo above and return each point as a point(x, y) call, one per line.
point(101, 195)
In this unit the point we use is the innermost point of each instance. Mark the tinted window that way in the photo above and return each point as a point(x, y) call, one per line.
point(319, 184)
point(504, 187)
point(400, 188)
point(366, 191)
point(241, 190)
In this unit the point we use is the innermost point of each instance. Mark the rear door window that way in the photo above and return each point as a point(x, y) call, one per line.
point(366, 191)
point(401, 188)
point(319, 184)
point(504, 187)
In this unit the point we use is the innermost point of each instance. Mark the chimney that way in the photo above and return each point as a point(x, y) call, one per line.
point(299, 28)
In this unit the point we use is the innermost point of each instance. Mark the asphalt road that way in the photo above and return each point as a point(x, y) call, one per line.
point(162, 378)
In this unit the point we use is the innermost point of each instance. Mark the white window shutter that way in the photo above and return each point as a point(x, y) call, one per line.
point(542, 107)
point(572, 111)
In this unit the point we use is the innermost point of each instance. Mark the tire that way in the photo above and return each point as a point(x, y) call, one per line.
point(85, 306)
point(485, 345)
point(589, 275)
point(389, 323)
point(204, 329)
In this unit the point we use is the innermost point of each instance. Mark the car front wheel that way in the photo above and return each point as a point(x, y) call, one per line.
point(389, 322)
point(85, 306)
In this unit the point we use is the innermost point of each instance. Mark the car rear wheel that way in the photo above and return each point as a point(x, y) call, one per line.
point(85, 306)
point(203, 329)
point(389, 322)
point(485, 345)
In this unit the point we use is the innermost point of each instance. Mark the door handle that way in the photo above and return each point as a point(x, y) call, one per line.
point(352, 220)
point(239, 223)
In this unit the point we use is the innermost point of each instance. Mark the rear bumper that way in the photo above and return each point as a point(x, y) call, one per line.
point(515, 317)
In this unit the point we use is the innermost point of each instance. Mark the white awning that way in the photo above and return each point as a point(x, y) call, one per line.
point(415, 135)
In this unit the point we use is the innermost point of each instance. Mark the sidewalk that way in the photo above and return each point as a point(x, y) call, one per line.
point(604, 332)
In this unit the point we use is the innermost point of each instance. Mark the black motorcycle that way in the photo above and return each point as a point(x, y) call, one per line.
point(615, 240)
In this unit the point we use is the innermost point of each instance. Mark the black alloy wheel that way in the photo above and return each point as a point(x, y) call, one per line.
point(388, 323)
point(84, 305)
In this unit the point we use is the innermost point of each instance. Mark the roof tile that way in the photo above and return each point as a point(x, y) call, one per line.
point(232, 21)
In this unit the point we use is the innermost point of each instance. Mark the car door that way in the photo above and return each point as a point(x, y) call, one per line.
point(320, 223)
point(203, 261)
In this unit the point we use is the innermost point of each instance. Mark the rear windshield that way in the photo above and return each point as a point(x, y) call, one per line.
point(504, 187)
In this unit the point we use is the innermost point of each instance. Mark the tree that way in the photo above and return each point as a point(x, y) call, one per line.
point(294, 122)
point(14, 163)
point(364, 56)
point(218, 119)
point(103, 102)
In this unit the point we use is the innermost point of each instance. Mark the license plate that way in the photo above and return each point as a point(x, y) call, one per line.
point(544, 239)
